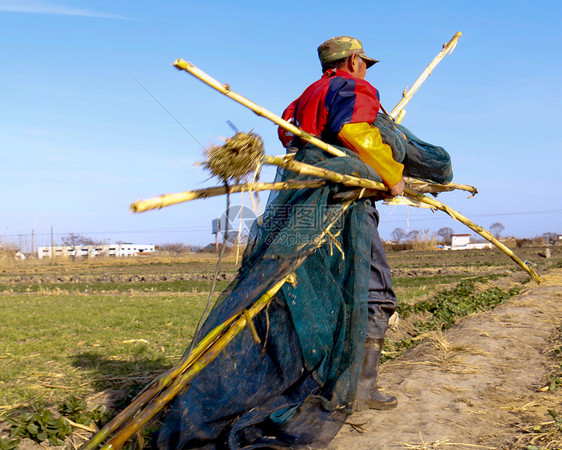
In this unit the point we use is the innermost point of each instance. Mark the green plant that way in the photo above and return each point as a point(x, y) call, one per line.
point(448, 305)
point(73, 408)
point(100, 415)
point(40, 425)
point(460, 301)
point(9, 444)
point(555, 383)
point(76, 410)
point(556, 418)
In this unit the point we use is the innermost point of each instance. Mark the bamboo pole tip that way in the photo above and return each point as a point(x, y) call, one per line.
point(180, 63)
point(135, 207)
point(536, 276)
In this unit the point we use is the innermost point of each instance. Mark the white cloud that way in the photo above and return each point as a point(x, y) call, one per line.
point(43, 7)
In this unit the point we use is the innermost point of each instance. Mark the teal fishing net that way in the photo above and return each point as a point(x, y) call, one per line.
point(421, 159)
point(297, 385)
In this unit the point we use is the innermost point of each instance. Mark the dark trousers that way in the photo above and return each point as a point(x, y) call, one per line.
point(382, 300)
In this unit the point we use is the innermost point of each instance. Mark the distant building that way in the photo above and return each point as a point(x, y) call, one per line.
point(462, 242)
point(19, 255)
point(82, 251)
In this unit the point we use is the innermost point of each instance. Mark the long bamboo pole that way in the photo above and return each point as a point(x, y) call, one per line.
point(168, 380)
point(478, 229)
point(181, 381)
point(398, 112)
point(177, 379)
point(181, 197)
point(165, 200)
point(307, 169)
point(164, 380)
point(408, 192)
point(260, 111)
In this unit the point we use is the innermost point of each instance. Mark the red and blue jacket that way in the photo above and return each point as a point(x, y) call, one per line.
point(336, 99)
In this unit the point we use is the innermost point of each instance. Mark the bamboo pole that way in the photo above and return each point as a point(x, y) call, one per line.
point(181, 197)
point(428, 187)
point(156, 387)
point(398, 111)
point(169, 379)
point(478, 229)
point(199, 361)
point(260, 111)
point(181, 382)
point(307, 169)
point(165, 200)
point(408, 192)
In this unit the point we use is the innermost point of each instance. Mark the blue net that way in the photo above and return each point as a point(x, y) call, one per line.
point(297, 386)
point(421, 159)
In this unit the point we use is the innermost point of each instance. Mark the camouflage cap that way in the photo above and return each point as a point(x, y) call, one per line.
point(341, 47)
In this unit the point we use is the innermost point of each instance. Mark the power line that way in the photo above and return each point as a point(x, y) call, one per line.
point(441, 217)
point(171, 115)
point(163, 230)
point(196, 229)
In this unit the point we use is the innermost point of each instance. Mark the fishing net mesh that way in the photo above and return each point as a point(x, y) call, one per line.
point(297, 385)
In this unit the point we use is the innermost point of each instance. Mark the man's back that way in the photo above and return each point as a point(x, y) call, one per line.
point(329, 103)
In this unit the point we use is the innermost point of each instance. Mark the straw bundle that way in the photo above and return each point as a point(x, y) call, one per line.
point(236, 159)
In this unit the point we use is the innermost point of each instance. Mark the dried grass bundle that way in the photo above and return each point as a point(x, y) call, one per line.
point(240, 156)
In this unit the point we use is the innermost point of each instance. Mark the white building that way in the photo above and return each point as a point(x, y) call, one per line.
point(462, 242)
point(19, 255)
point(126, 249)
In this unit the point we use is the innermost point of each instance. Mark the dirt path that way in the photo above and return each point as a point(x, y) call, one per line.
point(477, 385)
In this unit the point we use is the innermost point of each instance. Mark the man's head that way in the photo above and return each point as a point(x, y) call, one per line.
point(335, 51)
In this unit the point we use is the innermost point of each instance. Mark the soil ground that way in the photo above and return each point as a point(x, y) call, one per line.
point(481, 384)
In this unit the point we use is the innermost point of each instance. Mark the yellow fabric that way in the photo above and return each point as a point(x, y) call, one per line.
point(366, 141)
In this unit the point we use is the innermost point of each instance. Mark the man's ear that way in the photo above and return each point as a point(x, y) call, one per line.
point(352, 60)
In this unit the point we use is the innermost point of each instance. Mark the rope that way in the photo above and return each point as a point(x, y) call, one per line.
point(215, 276)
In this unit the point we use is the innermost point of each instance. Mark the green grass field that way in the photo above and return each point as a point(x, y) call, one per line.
point(79, 328)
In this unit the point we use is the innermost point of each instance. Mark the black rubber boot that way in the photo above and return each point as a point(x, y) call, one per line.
point(369, 396)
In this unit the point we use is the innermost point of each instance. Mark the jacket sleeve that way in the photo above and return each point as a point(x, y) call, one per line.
point(286, 137)
point(366, 141)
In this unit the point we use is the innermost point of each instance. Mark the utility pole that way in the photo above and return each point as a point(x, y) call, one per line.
point(32, 241)
point(52, 245)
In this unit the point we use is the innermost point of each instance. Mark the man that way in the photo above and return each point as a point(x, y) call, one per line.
point(340, 109)
point(292, 378)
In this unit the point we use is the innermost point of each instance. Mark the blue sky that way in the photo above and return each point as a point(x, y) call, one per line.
point(80, 139)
